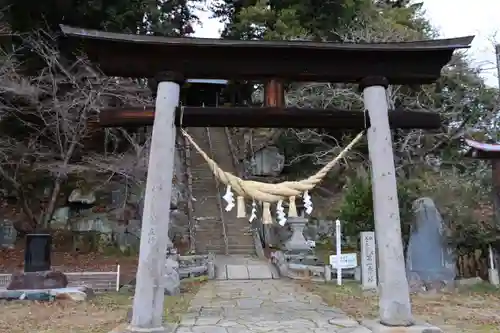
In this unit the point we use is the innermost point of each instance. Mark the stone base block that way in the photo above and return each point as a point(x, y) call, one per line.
point(77, 294)
point(37, 280)
point(376, 327)
point(126, 328)
point(493, 276)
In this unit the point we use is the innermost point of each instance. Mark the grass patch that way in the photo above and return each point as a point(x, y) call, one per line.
point(471, 309)
point(99, 315)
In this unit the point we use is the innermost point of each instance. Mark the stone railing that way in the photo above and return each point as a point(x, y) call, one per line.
point(301, 267)
point(259, 250)
point(197, 265)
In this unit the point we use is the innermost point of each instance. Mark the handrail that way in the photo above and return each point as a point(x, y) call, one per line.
point(219, 201)
point(189, 203)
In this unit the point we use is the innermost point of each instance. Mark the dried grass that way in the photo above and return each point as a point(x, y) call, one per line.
point(468, 310)
point(99, 315)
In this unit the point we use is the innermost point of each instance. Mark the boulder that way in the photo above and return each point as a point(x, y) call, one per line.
point(80, 196)
point(172, 279)
point(76, 294)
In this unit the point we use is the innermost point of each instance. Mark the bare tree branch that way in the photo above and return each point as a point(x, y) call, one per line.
point(51, 113)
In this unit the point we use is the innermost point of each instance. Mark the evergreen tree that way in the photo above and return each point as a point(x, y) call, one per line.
point(285, 19)
point(174, 17)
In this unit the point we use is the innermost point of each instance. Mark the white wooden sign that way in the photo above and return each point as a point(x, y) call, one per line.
point(347, 260)
point(368, 260)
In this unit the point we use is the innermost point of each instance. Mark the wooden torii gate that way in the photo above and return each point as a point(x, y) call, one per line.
point(170, 60)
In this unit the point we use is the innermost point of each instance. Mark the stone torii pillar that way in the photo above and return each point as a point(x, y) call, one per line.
point(147, 312)
point(394, 305)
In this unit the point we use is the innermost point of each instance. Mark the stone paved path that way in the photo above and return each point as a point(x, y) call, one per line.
point(262, 306)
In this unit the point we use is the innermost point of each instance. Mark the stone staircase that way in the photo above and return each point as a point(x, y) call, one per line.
point(216, 231)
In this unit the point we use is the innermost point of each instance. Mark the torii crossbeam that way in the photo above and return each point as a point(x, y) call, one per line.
point(267, 117)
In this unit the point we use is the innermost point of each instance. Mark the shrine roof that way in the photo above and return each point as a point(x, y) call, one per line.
point(494, 147)
point(131, 55)
point(438, 44)
point(482, 150)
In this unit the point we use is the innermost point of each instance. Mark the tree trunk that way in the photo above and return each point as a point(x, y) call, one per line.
point(51, 207)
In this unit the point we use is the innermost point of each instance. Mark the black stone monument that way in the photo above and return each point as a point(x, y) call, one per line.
point(37, 253)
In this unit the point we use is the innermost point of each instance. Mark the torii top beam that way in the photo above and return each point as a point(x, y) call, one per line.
point(140, 56)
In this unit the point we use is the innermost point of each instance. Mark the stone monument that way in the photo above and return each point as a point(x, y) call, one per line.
point(37, 266)
point(8, 234)
point(37, 253)
point(368, 261)
point(430, 262)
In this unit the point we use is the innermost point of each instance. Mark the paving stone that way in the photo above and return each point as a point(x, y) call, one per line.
point(249, 303)
point(188, 321)
point(358, 329)
point(242, 329)
point(377, 327)
point(204, 321)
point(228, 323)
point(343, 322)
point(237, 272)
point(184, 329)
point(209, 329)
point(262, 306)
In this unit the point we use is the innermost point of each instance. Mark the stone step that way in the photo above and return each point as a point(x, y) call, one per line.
point(235, 241)
point(245, 272)
point(241, 246)
point(230, 246)
point(212, 225)
point(234, 246)
point(209, 233)
point(230, 228)
point(221, 251)
point(237, 227)
point(241, 234)
point(208, 193)
point(239, 240)
point(217, 242)
point(232, 250)
point(220, 240)
point(218, 233)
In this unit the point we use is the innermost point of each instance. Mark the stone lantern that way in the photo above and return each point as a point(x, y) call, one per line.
point(298, 243)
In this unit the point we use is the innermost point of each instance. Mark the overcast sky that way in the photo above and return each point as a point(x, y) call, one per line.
point(454, 18)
